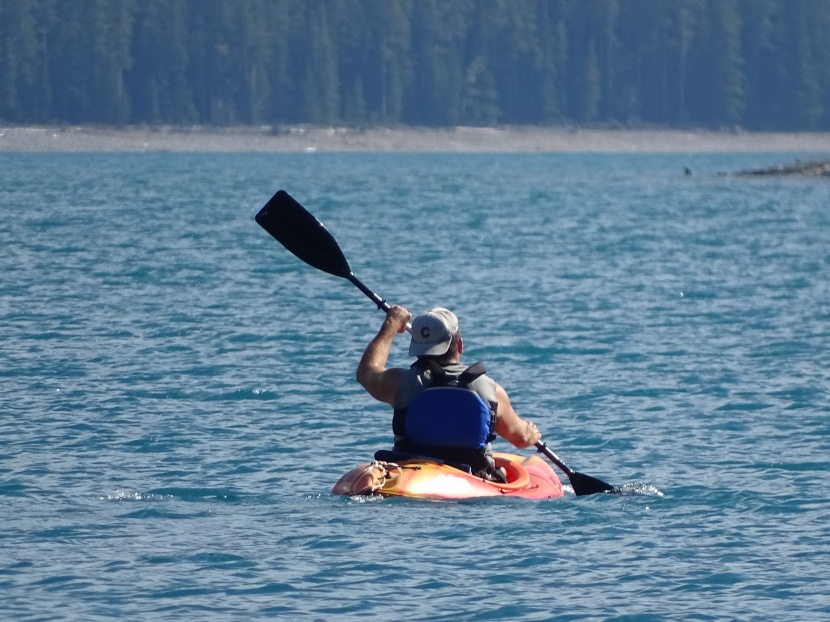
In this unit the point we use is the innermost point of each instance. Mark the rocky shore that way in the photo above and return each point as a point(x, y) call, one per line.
point(819, 168)
point(403, 139)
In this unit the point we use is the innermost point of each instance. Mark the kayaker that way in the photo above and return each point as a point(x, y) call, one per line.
point(462, 433)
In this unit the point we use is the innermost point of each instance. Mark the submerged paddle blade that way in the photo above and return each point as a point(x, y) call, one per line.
point(581, 483)
point(302, 234)
point(587, 485)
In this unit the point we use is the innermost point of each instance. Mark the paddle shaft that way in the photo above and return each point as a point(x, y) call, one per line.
point(582, 484)
point(380, 302)
point(543, 448)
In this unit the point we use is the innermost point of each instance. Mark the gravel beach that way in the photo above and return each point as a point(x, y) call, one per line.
point(402, 139)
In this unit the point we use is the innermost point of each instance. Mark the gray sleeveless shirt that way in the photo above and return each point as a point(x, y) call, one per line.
point(414, 382)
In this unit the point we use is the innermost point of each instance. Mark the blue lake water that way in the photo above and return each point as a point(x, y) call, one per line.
point(177, 391)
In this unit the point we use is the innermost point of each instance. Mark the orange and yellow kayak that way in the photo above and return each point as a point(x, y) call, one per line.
point(528, 477)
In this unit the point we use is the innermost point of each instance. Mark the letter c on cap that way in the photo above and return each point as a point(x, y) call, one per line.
point(425, 332)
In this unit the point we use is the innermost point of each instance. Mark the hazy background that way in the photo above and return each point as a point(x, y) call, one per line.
point(760, 65)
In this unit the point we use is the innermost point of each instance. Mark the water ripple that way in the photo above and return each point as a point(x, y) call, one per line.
point(177, 392)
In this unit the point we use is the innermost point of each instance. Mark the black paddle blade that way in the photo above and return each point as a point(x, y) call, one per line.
point(581, 483)
point(302, 234)
point(587, 485)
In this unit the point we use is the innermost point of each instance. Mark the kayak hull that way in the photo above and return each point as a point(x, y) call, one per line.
point(527, 477)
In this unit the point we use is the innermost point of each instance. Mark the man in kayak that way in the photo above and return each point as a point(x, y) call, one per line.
point(456, 427)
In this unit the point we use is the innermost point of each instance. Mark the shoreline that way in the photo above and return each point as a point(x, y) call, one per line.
point(307, 139)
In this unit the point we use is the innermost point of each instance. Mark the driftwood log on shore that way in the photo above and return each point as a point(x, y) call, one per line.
point(819, 168)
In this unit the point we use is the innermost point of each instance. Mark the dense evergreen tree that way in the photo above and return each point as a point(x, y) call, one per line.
point(321, 79)
point(438, 33)
point(757, 64)
point(21, 62)
point(351, 33)
point(158, 77)
point(812, 54)
point(717, 65)
point(766, 64)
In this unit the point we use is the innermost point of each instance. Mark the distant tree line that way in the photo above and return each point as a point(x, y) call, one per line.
point(756, 64)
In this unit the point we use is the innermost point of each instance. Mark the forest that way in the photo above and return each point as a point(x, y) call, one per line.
point(758, 65)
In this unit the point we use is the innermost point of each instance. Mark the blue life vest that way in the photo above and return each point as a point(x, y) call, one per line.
point(448, 414)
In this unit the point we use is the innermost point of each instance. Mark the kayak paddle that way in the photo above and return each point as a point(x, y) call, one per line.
point(301, 233)
point(582, 484)
point(305, 236)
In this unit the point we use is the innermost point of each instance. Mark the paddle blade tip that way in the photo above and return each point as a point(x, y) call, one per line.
point(302, 234)
point(268, 212)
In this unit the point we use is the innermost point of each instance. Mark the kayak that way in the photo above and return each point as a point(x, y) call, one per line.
point(527, 477)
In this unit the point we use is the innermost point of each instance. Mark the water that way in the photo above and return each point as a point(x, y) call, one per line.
point(177, 392)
